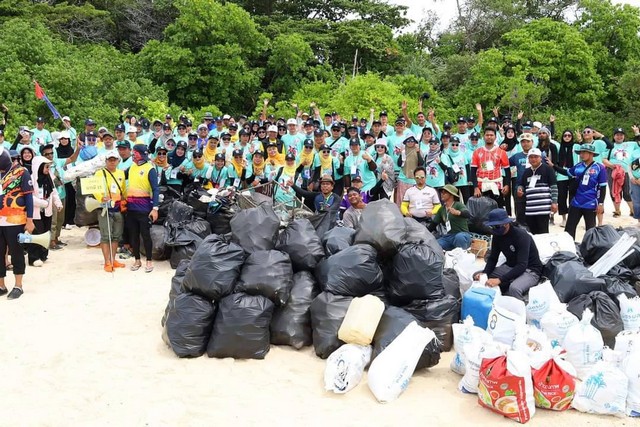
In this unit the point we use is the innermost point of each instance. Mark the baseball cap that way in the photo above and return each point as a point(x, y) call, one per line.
point(292, 122)
point(308, 143)
point(89, 122)
point(289, 156)
point(236, 153)
point(220, 156)
point(618, 130)
point(123, 144)
point(111, 154)
point(318, 132)
point(526, 136)
point(226, 117)
point(354, 141)
point(537, 125)
point(66, 118)
point(462, 119)
point(534, 152)
point(272, 128)
point(40, 119)
point(119, 127)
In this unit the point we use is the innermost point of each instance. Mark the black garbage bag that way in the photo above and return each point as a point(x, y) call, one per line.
point(597, 241)
point(179, 212)
point(192, 194)
point(219, 217)
point(381, 226)
point(267, 273)
point(417, 273)
point(241, 327)
point(479, 208)
point(82, 217)
point(614, 286)
point(416, 232)
point(198, 226)
point(557, 259)
point(215, 268)
point(188, 326)
point(291, 323)
point(337, 239)
point(451, 283)
point(571, 279)
point(255, 229)
point(621, 272)
point(633, 260)
point(606, 314)
point(351, 272)
point(176, 286)
point(302, 244)
point(323, 222)
point(394, 320)
point(177, 235)
point(180, 253)
point(159, 251)
point(437, 315)
point(327, 313)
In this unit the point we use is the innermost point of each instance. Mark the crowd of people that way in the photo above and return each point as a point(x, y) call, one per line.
point(324, 162)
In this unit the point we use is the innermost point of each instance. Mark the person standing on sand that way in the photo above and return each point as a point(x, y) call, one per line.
point(16, 216)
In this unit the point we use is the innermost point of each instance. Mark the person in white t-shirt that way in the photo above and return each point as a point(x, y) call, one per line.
point(420, 202)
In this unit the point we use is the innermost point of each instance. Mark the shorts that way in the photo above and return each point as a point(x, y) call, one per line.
point(116, 223)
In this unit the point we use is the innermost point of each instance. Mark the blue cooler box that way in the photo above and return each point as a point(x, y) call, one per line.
point(477, 303)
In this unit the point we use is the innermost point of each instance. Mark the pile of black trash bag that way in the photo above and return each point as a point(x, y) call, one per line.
point(261, 285)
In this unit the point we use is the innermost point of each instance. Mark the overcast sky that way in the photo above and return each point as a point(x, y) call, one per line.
point(446, 9)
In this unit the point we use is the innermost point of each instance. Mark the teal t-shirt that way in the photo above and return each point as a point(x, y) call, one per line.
point(356, 165)
point(458, 161)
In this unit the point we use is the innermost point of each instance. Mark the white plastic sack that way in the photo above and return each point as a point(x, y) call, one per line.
point(583, 344)
point(474, 353)
point(631, 368)
point(532, 342)
point(84, 169)
point(541, 298)
point(505, 317)
point(630, 312)
point(464, 263)
point(550, 243)
point(556, 322)
point(628, 343)
point(465, 333)
point(345, 367)
point(603, 391)
point(391, 371)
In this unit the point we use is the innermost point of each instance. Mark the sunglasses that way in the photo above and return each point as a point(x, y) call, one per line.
point(162, 154)
point(197, 156)
point(432, 143)
point(586, 132)
point(567, 135)
point(454, 144)
point(326, 151)
point(193, 137)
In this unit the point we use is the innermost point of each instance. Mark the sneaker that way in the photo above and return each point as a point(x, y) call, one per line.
point(36, 263)
point(616, 214)
point(126, 254)
point(108, 268)
point(3, 291)
point(117, 264)
point(61, 243)
point(15, 293)
point(55, 247)
point(68, 227)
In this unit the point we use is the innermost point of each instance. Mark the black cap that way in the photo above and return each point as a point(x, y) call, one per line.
point(220, 156)
point(271, 144)
point(119, 127)
point(455, 139)
point(158, 149)
point(289, 156)
point(334, 113)
point(188, 122)
point(434, 140)
point(44, 147)
point(181, 144)
point(308, 143)
point(244, 133)
point(166, 126)
point(427, 128)
point(367, 134)
point(324, 147)
point(197, 152)
point(356, 178)
point(376, 122)
point(181, 125)
point(618, 130)
point(258, 153)
point(91, 134)
point(236, 153)
point(474, 135)
point(471, 119)
point(352, 126)
point(89, 122)
point(354, 118)
point(168, 116)
point(233, 126)
point(492, 119)
point(40, 119)
point(399, 120)
point(447, 125)
point(462, 120)
point(327, 114)
point(354, 141)
point(308, 122)
point(528, 124)
point(225, 136)
point(213, 137)
point(335, 125)
point(318, 132)
point(383, 113)
point(445, 135)
point(410, 138)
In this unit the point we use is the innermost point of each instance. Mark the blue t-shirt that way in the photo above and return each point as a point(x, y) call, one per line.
point(588, 189)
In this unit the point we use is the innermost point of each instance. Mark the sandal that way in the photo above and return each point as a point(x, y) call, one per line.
point(9, 266)
point(148, 269)
point(136, 267)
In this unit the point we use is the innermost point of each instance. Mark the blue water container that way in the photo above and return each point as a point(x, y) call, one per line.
point(477, 303)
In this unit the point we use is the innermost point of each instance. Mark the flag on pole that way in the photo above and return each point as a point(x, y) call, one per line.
point(42, 96)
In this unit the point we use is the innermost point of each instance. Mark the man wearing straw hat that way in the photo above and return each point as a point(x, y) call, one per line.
point(454, 216)
point(591, 177)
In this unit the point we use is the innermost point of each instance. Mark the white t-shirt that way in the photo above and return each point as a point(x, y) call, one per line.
point(421, 201)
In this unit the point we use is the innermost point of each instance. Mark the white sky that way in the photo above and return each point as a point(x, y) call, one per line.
point(446, 9)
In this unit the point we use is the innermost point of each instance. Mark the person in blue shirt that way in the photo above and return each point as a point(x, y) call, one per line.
point(592, 183)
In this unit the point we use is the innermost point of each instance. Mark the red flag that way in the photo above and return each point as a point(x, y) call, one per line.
point(39, 91)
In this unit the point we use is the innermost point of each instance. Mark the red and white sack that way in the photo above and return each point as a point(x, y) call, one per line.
point(554, 383)
point(505, 386)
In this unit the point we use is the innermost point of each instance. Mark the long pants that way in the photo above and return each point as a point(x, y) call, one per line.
point(519, 286)
point(635, 198)
point(457, 240)
point(566, 192)
point(70, 208)
point(9, 239)
point(538, 224)
point(57, 220)
point(139, 224)
point(498, 198)
point(626, 196)
point(37, 252)
point(465, 193)
point(575, 214)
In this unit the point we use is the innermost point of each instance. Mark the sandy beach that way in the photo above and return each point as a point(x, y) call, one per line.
point(83, 348)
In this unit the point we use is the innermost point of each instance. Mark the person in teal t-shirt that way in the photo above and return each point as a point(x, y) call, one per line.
point(620, 156)
point(359, 163)
point(634, 182)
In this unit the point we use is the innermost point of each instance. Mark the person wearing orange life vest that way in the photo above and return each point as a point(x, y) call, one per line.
point(142, 204)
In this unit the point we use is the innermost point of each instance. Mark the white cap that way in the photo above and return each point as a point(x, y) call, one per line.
point(66, 118)
point(226, 117)
point(534, 152)
point(202, 126)
point(103, 129)
point(64, 134)
point(292, 122)
point(272, 128)
point(111, 154)
point(537, 125)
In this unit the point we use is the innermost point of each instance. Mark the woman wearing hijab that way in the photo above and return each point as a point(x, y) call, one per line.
point(408, 158)
point(26, 158)
point(435, 167)
point(510, 142)
point(326, 164)
point(65, 155)
point(177, 161)
point(237, 169)
point(45, 199)
point(210, 149)
point(142, 204)
point(385, 170)
point(285, 178)
point(567, 187)
point(161, 165)
point(16, 216)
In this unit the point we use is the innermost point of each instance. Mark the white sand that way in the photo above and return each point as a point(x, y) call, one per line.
point(83, 348)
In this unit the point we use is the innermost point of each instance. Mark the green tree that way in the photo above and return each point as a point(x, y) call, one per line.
point(289, 61)
point(207, 56)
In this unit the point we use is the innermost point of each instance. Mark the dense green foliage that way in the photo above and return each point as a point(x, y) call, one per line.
point(575, 59)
